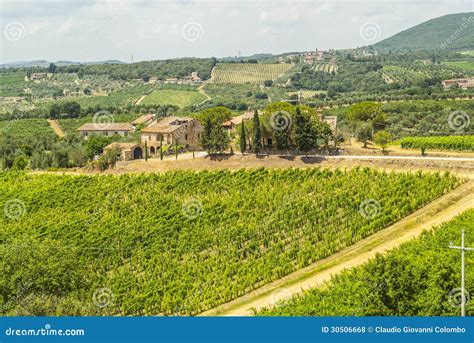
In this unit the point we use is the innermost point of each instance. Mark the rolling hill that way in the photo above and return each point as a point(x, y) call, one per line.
point(449, 32)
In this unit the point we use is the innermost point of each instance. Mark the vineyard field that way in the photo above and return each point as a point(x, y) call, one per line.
point(464, 65)
point(420, 278)
point(326, 67)
point(397, 74)
point(25, 129)
point(253, 73)
point(456, 143)
point(184, 242)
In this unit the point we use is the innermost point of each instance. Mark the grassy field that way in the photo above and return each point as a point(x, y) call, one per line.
point(12, 79)
point(253, 73)
point(180, 98)
point(12, 84)
point(465, 65)
point(184, 242)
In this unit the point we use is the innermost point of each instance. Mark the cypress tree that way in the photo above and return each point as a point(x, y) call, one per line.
point(257, 133)
point(243, 139)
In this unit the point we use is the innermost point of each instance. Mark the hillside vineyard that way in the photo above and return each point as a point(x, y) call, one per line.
point(404, 282)
point(183, 242)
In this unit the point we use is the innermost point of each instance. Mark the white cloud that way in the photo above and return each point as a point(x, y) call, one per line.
point(152, 29)
point(34, 28)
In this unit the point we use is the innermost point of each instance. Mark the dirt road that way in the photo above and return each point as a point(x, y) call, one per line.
point(237, 161)
point(56, 128)
point(203, 92)
point(441, 210)
point(140, 100)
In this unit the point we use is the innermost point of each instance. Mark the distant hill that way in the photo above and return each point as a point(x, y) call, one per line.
point(450, 32)
point(26, 64)
point(45, 64)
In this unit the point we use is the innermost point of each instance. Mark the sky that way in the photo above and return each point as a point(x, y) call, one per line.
point(138, 30)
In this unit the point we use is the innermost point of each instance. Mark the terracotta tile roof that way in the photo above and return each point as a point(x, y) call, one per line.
point(106, 127)
point(167, 125)
point(246, 116)
point(142, 119)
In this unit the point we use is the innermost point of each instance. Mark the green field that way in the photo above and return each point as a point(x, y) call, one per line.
point(420, 278)
point(180, 98)
point(453, 143)
point(12, 84)
point(253, 73)
point(12, 79)
point(184, 242)
point(25, 129)
point(464, 65)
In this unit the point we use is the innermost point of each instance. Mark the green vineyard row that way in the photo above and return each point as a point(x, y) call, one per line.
point(421, 278)
point(184, 242)
point(459, 143)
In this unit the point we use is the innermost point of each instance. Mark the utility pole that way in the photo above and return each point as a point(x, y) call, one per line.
point(463, 248)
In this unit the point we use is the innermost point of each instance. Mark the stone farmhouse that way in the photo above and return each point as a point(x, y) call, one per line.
point(106, 129)
point(128, 151)
point(172, 130)
point(461, 83)
point(183, 131)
